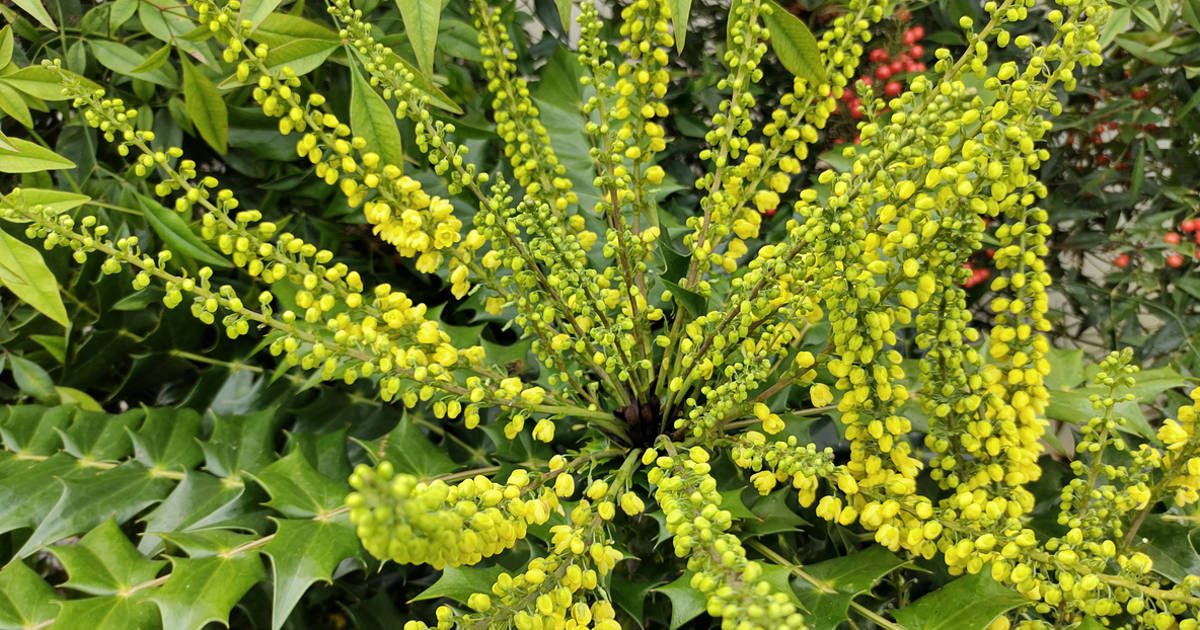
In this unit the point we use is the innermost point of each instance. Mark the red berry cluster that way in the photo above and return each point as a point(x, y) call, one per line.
point(980, 272)
point(1189, 232)
point(890, 68)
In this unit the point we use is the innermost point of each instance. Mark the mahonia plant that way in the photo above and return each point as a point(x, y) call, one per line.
point(649, 373)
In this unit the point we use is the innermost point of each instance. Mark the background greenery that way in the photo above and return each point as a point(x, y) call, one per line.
point(167, 443)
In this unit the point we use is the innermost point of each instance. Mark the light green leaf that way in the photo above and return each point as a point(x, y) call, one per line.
point(36, 9)
point(437, 97)
point(371, 118)
point(154, 60)
point(119, 13)
point(26, 601)
point(842, 579)
point(55, 201)
point(971, 602)
point(303, 552)
point(6, 45)
point(458, 583)
point(28, 157)
point(104, 562)
point(23, 272)
point(565, 7)
point(280, 28)
point(176, 235)
point(43, 83)
point(205, 107)
point(201, 590)
point(795, 45)
point(686, 602)
point(255, 11)
point(1066, 368)
point(301, 55)
point(72, 396)
point(297, 490)
point(421, 19)
point(14, 106)
point(680, 10)
point(124, 60)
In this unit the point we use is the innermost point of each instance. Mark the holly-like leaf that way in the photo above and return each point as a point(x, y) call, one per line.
point(23, 272)
point(686, 602)
point(240, 443)
point(421, 18)
point(297, 489)
point(458, 583)
point(971, 602)
point(1169, 545)
point(203, 590)
point(304, 551)
point(205, 107)
point(112, 612)
point(85, 502)
point(373, 119)
point(772, 515)
point(840, 581)
point(794, 45)
point(26, 601)
point(167, 439)
point(199, 501)
point(407, 448)
point(104, 562)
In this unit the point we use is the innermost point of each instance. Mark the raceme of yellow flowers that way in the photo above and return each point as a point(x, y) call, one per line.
point(626, 355)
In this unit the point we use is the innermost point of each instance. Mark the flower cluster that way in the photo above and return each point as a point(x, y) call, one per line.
point(664, 372)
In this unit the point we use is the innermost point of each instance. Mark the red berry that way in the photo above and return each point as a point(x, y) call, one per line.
point(769, 212)
point(1174, 261)
point(893, 89)
point(883, 73)
point(1188, 225)
point(896, 67)
point(1121, 261)
point(855, 109)
point(878, 55)
point(903, 14)
point(1196, 236)
point(1139, 93)
point(919, 67)
point(917, 51)
point(1172, 238)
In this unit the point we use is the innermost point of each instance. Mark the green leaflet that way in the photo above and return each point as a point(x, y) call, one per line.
point(206, 107)
point(795, 45)
point(23, 272)
point(421, 18)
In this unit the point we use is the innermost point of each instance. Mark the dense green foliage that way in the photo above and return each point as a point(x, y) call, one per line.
point(547, 315)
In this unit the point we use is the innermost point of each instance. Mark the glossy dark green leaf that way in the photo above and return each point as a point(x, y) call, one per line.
point(692, 303)
point(794, 45)
point(458, 583)
point(303, 552)
point(971, 602)
point(772, 515)
point(104, 562)
point(206, 107)
point(407, 448)
point(373, 119)
point(176, 234)
point(85, 502)
point(27, 494)
point(26, 601)
point(167, 439)
point(421, 18)
point(100, 436)
point(687, 603)
point(34, 429)
point(841, 580)
point(210, 543)
point(199, 501)
point(112, 612)
point(240, 443)
point(297, 489)
point(1168, 544)
point(203, 590)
